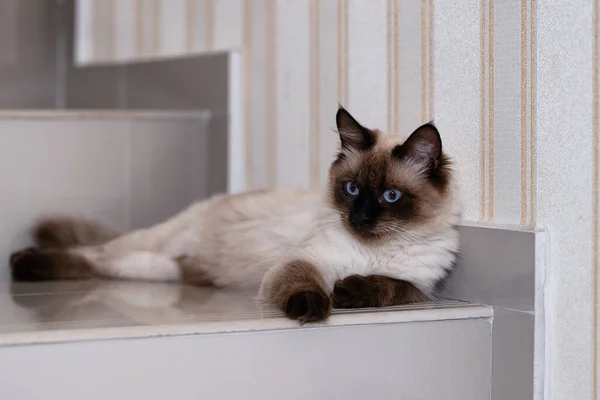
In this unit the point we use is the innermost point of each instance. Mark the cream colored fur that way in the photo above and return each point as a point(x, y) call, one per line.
point(244, 240)
point(234, 239)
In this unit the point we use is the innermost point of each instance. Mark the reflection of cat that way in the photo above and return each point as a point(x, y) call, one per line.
point(382, 234)
point(112, 303)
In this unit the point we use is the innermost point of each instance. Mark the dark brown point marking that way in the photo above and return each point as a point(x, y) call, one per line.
point(298, 291)
point(35, 264)
point(357, 291)
point(353, 135)
point(425, 146)
point(416, 168)
point(192, 272)
point(440, 176)
point(308, 306)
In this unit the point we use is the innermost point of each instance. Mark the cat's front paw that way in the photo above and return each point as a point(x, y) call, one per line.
point(310, 306)
point(354, 291)
point(357, 291)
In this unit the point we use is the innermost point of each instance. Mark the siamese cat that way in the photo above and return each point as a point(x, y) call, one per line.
point(383, 232)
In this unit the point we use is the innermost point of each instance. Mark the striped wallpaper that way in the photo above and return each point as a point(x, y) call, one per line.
point(394, 63)
point(512, 85)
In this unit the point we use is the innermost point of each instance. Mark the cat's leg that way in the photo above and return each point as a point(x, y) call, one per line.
point(37, 264)
point(358, 291)
point(138, 255)
point(298, 289)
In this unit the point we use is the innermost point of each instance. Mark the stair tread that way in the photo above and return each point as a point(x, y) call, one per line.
point(93, 310)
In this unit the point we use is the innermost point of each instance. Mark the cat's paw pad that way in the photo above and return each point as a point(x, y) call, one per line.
point(352, 292)
point(311, 306)
point(30, 265)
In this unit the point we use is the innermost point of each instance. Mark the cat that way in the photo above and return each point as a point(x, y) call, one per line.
point(383, 232)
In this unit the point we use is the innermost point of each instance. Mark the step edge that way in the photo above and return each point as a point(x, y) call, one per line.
point(337, 320)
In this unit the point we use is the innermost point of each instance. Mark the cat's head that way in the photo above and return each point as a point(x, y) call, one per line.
point(386, 186)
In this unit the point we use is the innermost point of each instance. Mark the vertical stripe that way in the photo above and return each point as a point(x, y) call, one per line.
point(83, 35)
point(345, 52)
point(209, 15)
point(270, 94)
point(156, 28)
point(190, 35)
point(339, 49)
point(431, 85)
point(293, 93)
point(595, 201)
point(147, 32)
point(523, 112)
point(483, 49)
point(532, 122)
point(389, 65)
point(103, 30)
point(111, 28)
point(247, 51)
point(258, 92)
point(173, 27)
point(227, 25)
point(93, 25)
point(328, 81)
point(314, 95)
point(138, 29)
point(510, 106)
point(396, 69)
point(368, 43)
point(491, 113)
point(423, 64)
point(124, 17)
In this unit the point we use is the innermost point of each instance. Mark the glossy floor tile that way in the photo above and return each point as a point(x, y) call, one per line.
point(57, 311)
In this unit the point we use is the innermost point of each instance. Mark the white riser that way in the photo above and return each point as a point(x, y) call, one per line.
point(440, 359)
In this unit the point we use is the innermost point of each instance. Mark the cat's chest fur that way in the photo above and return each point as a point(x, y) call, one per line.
point(338, 254)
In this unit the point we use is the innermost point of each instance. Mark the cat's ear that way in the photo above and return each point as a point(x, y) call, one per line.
point(353, 135)
point(423, 146)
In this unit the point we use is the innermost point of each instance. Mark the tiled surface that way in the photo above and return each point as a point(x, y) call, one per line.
point(57, 311)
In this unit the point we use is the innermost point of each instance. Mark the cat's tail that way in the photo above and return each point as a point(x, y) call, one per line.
point(75, 249)
point(61, 232)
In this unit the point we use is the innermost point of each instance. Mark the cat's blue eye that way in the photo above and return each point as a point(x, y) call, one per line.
point(392, 195)
point(352, 189)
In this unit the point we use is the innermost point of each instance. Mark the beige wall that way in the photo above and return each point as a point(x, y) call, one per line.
point(511, 84)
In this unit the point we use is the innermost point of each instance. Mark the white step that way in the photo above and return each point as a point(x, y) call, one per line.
point(117, 340)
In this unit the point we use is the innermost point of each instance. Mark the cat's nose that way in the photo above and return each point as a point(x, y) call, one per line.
point(359, 219)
